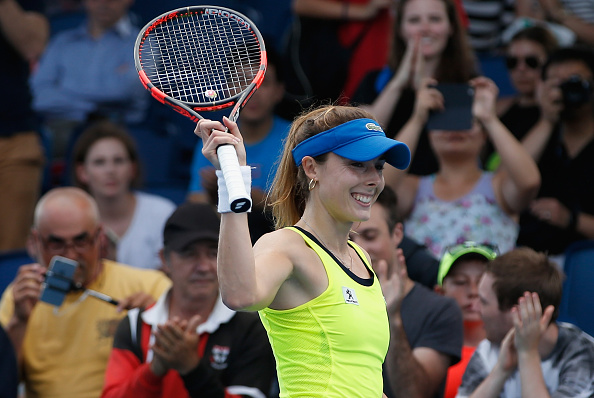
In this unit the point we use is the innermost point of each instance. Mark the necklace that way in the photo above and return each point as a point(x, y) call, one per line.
point(328, 247)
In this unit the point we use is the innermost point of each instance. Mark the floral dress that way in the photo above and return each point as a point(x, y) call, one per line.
point(475, 216)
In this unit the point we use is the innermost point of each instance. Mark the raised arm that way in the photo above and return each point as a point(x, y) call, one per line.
point(247, 281)
point(418, 372)
point(404, 184)
point(345, 10)
point(27, 31)
point(518, 179)
point(408, 75)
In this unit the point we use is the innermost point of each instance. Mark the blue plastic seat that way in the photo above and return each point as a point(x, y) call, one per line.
point(577, 303)
point(10, 261)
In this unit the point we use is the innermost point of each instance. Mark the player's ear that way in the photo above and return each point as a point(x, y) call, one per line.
point(310, 167)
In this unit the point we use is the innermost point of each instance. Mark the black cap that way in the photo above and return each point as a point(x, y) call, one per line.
point(189, 223)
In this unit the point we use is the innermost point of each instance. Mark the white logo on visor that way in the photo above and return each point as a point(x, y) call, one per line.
point(373, 126)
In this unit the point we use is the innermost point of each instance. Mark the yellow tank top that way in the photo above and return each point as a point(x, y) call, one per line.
point(335, 344)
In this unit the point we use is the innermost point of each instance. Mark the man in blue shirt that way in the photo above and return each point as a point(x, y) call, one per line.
point(88, 71)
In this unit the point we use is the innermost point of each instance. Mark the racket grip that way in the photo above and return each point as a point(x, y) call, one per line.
point(240, 201)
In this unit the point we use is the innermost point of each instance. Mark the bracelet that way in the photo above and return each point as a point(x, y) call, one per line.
point(345, 11)
point(224, 206)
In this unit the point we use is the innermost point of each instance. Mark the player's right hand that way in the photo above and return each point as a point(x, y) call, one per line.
point(214, 134)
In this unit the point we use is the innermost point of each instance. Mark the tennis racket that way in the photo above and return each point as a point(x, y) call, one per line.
point(204, 58)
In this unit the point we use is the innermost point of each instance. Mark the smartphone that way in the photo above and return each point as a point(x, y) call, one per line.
point(59, 280)
point(457, 112)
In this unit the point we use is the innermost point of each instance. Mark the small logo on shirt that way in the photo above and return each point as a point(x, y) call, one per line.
point(349, 296)
point(218, 359)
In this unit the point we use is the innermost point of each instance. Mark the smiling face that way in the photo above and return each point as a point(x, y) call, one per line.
point(428, 20)
point(107, 169)
point(348, 188)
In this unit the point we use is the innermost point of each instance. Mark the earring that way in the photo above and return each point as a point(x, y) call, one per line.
point(312, 184)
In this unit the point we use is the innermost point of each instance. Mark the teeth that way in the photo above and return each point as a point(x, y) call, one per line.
point(362, 198)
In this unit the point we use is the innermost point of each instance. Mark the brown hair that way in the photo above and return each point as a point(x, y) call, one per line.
point(290, 191)
point(96, 132)
point(525, 270)
point(457, 63)
point(539, 35)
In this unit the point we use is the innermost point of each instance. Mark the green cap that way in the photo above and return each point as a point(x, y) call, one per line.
point(454, 252)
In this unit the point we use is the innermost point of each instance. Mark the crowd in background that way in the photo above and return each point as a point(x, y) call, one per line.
point(74, 114)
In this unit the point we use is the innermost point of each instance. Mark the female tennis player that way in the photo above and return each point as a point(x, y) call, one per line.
point(317, 296)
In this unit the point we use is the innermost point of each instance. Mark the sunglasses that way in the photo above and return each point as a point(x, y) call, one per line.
point(490, 250)
point(531, 61)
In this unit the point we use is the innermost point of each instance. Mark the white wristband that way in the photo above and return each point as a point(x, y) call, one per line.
point(224, 206)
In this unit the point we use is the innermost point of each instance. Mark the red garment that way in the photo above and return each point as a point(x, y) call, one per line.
point(455, 372)
point(372, 51)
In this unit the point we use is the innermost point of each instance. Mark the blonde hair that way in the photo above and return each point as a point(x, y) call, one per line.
point(290, 192)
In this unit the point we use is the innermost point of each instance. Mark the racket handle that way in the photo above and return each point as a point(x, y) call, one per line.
point(240, 201)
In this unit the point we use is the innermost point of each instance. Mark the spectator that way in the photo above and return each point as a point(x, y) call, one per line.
point(460, 271)
point(421, 265)
point(526, 353)
point(334, 44)
point(9, 378)
point(88, 72)
point(526, 52)
point(575, 15)
point(461, 202)
point(562, 143)
point(263, 134)
point(189, 344)
point(64, 351)
point(106, 164)
point(425, 329)
point(23, 35)
point(428, 41)
point(487, 20)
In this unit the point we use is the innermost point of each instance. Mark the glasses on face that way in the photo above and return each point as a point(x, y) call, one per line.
point(531, 61)
point(80, 243)
point(489, 250)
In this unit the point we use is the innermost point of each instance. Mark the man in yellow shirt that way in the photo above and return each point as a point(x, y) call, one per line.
point(63, 351)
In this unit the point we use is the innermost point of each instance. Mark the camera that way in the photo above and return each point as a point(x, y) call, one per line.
point(576, 91)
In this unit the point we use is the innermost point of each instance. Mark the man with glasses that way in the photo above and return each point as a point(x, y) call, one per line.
point(63, 351)
point(460, 270)
point(526, 353)
point(425, 328)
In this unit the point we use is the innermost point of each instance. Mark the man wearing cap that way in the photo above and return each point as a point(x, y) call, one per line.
point(425, 328)
point(189, 343)
point(460, 271)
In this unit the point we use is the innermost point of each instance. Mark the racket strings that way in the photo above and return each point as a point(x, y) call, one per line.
point(201, 58)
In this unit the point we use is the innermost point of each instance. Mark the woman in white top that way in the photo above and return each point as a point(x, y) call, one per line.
point(107, 166)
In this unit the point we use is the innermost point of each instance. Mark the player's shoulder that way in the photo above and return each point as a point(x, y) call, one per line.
point(282, 242)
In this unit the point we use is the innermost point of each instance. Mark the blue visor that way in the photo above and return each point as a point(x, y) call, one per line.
point(359, 140)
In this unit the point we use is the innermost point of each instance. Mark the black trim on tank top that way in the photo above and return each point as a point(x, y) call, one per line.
point(353, 276)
